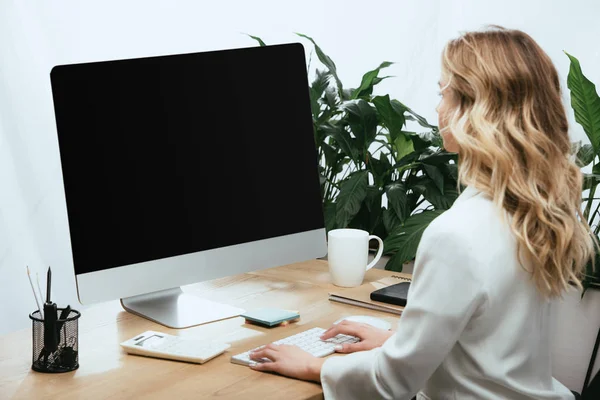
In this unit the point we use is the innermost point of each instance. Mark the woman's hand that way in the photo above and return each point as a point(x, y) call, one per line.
point(370, 337)
point(289, 361)
point(296, 363)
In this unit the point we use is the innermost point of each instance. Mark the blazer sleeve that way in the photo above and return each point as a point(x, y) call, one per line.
point(445, 294)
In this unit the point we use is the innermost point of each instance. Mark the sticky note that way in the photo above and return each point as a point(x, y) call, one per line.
point(270, 316)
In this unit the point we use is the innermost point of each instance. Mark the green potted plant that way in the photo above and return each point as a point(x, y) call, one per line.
point(376, 173)
point(585, 103)
point(586, 106)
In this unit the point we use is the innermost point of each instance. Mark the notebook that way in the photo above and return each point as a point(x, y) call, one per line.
point(361, 296)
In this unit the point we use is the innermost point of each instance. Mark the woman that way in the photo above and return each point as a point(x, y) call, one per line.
point(488, 271)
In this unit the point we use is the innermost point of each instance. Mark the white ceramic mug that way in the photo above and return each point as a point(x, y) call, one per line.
point(348, 254)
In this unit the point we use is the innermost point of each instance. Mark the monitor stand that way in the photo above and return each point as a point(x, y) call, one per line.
point(175, 309)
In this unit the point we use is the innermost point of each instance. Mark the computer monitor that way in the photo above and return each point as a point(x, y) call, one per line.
point(184, 168)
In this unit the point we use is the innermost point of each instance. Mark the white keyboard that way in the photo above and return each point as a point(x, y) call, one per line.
point(308, 341)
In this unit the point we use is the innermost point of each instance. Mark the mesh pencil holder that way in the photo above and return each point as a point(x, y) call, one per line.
point(63, 357)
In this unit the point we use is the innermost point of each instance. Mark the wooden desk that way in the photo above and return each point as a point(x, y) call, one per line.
point(107, 372)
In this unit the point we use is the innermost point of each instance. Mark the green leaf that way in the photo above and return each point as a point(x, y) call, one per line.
point(590, 180)
point(373, 198)
point(342, 161)
point(331, 98)
point(596, 169)
point(387, 169)
point(403, 146)
point(379, 79)
point(414, 116)
point(585, 102)
point(329, 212)
point(369, 80)
point(584, 154)
point(381, 169)
point(420, 143)
point(353, 192)
point(346, 143)
point(407, 162)
point(591, 276)
point(372, 221)
point(390, 220)
point(322, 178)
point(405, 239)
point(366, 94)
point(399, 107)
point(433, 137)
point(391, 118)
point(396, 195)
point(413, 197)
point(331, 154)
point(451, 171)
point(327, 114)
point(420, 120)
point(321, 82)
point(395, 263)
point(317, 88)
point(259, 40)
point(429, 190)
point(320, 134)
point(435, 174)
point(451, 192)
point(346, 94)
point(439, 158)
point(369, 217)
point(362, 118)
point(327, 61)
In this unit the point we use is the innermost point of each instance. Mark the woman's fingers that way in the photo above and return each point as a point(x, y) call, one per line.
point(269, 351)
point(346, 328)
point(266, 366)
point(351, 347)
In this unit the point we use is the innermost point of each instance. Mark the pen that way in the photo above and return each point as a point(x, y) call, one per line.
point(33, 290)
point(48, 286)
point(37, 278)
point(51, 337)
point(62, 319)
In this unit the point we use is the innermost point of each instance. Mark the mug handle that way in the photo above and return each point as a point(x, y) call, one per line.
point(379, 252)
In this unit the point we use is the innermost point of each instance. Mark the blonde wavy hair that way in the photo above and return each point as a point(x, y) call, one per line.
point(512, 133)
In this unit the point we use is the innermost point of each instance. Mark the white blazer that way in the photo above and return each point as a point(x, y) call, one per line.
point(474, 327)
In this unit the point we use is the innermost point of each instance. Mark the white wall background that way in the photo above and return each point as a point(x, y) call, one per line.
point(36, 35)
